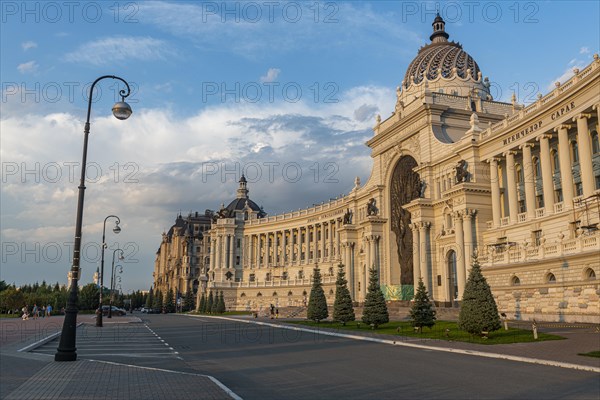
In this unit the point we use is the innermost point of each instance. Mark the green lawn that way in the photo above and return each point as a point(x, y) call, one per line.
point(10, 315)
point(443, 330)
point(591, 354)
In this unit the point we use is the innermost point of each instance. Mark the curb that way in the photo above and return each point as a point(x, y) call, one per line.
point(419, 346)
point(43, 341)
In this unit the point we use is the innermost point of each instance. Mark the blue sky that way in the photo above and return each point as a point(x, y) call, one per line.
point(285, 90)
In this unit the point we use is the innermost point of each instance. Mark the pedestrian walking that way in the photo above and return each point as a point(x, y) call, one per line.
point(272, 309)
point(276, 312)
point(35, 311)
point(25, 311)
point(48, 310)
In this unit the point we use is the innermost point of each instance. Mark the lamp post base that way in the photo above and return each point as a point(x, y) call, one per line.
point(99, 318)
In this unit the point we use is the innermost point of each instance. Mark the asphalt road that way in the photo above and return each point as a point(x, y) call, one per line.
point(259, 362)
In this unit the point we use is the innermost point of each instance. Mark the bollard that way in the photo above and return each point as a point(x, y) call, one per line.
point(534, 328)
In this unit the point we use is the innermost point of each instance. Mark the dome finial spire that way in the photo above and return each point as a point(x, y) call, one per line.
point(439, 34)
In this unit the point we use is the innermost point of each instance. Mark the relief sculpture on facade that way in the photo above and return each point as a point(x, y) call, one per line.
point(405, 187)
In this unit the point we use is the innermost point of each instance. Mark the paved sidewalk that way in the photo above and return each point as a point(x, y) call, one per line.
point(25, 375)
point(85, 379)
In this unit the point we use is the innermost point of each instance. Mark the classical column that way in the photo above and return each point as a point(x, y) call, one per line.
point(350, 271)
point(323, 241)
point(511, 186)
point(298, 245)
point(267, 249)
point(219, 252)
point(258, 250)
point(584, 146)
point(232, 252)
point(284, 248)
point(315, 246)
point(460, 253)
point(468, 230)
point(213, 254)
point(423, 233)
point(547, 181)
point(330, 229)
point(566, 175)
point(529, 180)
point(495, 183)
point(416, 255)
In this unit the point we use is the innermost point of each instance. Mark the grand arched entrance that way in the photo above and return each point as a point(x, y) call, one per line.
point(405, 186)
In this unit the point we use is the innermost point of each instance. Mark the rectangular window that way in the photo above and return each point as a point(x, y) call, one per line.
point(598, 182)
point(578, 189)
point(539, 199)
point(558, 198)
point(237, 260)
point(522, 207)
point(252, 277)
point(537, 238)
point(239, 243)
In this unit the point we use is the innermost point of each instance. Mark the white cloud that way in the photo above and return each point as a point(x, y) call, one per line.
point(584, 50)
point(29, 67)
point(29, 45)
point(567, 74)
point(120, 49)
point(154, 164)
point(271, 75)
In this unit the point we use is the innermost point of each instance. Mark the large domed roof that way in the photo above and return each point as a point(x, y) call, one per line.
point(440, 59)
point(444, 66)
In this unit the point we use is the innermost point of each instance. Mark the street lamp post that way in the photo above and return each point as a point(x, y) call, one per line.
point(112, 280)
point(116, 229)
point(66, 350)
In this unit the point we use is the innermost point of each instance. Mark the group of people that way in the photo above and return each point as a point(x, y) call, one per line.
point(36, 312)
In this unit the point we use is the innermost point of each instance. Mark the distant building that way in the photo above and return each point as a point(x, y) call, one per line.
point(454, 172)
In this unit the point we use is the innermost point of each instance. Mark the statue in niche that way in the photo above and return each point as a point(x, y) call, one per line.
point(372, 207)
point(422, 187)
point(228, 275)
point(462, 174)
point(348, 217)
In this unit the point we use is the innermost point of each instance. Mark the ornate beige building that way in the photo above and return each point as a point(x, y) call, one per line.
point(454, 173)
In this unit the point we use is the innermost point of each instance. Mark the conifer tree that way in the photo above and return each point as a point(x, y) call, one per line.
point(158, 300)
point(169, 301)
point(215, 304)
point(342, 306)
point(150, 299)
point(422, 312)
point(317, 304)
point(188, 301)
point(221, 304)
point(202, 306)
point(209, 303)
point(375, 311)
point(478, 310)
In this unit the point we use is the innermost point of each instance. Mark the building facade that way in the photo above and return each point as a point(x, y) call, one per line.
point(455, 175)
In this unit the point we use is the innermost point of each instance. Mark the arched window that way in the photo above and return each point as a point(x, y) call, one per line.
point(515, 281)
point(550, 278)
point(537, 171)
point(574, 152)
point(519, 172)
point(589, 274)
point(595, 143)
point(555, 162)
point(452, 278)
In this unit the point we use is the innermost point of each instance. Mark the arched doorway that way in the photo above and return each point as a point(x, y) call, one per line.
point(452, 278)
point(405, 186)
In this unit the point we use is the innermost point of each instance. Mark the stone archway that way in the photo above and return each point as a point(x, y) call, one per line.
point(405, 186)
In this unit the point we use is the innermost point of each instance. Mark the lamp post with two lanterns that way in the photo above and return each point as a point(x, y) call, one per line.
point(66, 350)
point(112, 280)
point(116, 230)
